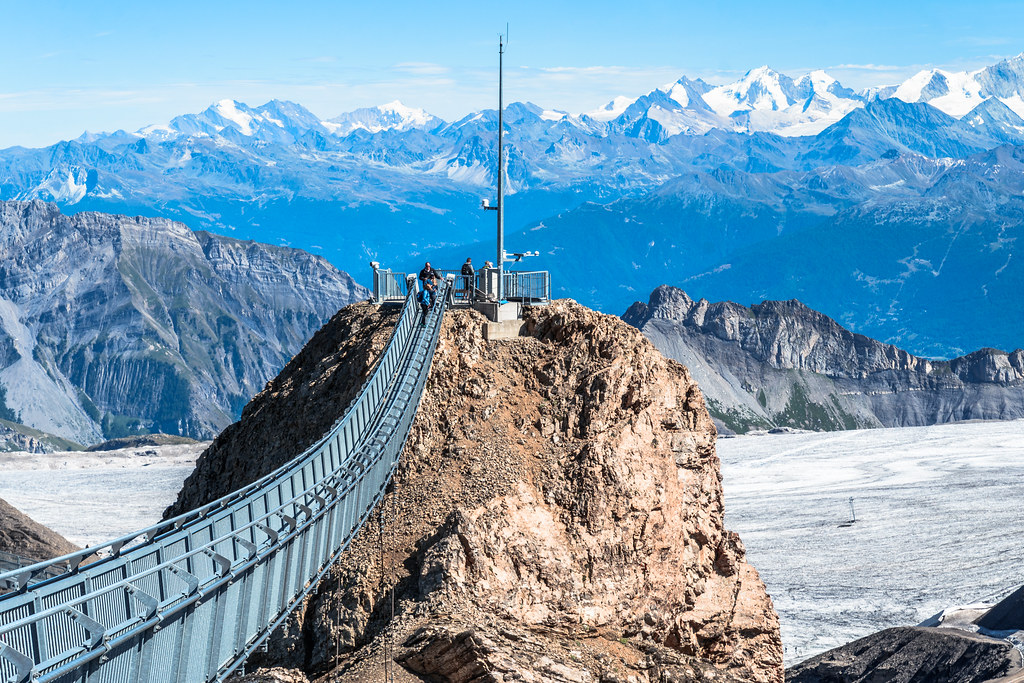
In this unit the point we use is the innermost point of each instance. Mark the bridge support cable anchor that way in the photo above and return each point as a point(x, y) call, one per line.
point(272, 534)
point(190, 579)
point(93, 628)
point(24, 667)
point(250, 548)
point(223, 563)
point(149, 602)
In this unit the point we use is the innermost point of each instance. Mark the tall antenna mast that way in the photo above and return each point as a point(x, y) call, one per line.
point(501, 170)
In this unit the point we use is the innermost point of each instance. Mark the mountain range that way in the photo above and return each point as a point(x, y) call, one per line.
point(781, 364)
point(690, 184)
point(115, 325)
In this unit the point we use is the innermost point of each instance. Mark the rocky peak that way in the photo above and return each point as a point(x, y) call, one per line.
point(556, 515)
point(789, 335)
point(114, 325)
point(780, 363)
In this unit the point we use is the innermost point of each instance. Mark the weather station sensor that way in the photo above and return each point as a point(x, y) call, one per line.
point(516, 257)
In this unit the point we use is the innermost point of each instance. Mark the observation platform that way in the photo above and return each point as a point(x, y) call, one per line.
point(520, 289)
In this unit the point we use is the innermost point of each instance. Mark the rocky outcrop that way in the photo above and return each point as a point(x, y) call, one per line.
point(912, 655)
point(18, 437)
point(780, 363)
point(556, 516)
point(140, 441)
point(116, 325)
point(295, 408)
point(21, 536)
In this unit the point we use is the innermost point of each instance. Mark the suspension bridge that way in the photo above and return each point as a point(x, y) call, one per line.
point(188, 599)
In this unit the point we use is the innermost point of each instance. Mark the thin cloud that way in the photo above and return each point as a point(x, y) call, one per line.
point(424, 68)
point(589, 70)
point(868, 67)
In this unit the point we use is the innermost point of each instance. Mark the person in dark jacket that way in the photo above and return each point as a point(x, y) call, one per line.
point(469, 273)
point(429, 273)
point(426, 298)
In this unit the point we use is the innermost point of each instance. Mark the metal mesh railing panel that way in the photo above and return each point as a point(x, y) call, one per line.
point(188, 599)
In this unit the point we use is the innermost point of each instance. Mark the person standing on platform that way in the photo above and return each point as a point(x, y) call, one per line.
point(469, 273)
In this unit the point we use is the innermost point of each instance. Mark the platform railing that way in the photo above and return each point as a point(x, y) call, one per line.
point(530, 287)
point(389, 286)
point(188, 599)
point(527, 286)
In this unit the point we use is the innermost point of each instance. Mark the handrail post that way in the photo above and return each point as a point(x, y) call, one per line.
point(377, 295)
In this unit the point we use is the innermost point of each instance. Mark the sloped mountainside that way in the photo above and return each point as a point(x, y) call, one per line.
point(557, 514)
point(780, 363)
point(21, 536)
point(116, 325)
point(18, 437)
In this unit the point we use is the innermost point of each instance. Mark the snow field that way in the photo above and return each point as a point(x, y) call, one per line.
point(939, 519)
point(90, 498)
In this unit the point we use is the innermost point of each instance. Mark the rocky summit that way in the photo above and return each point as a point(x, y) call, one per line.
point(115, 325)
point(781, 364)
point(557, 514)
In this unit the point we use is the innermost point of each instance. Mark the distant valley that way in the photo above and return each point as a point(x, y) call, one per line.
point(114, 325)
point(781, 364)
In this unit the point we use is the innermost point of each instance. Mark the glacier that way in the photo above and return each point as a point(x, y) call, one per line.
point(938, 524)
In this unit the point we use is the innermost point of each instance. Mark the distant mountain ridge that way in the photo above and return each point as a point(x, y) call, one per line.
point(114, 325)
point(781, 364)
point(689, 184)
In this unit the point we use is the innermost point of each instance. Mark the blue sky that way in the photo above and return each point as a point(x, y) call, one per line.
point(67, 67)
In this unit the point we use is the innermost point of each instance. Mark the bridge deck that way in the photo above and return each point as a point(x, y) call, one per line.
point(188, 599)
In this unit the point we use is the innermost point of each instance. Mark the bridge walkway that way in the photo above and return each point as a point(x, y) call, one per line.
point(188, 599)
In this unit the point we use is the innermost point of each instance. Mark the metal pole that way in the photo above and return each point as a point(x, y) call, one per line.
point(501, 173)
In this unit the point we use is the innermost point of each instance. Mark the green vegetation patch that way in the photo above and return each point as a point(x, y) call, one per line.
point(7, 413)
point(119, 426)
point(739, 421)
point(802, 413)
point(89, 407)
point(59, 443)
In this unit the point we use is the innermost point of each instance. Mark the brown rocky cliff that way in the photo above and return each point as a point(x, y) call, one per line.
point(22, 536)
point(556, 516)
point(295, 408)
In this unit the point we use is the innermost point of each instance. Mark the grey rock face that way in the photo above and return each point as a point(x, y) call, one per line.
point(910, 654)
point(780, 363)
point(111, 325)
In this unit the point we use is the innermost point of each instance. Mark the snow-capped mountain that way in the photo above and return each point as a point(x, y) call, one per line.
point(392, 183)
point(763, 100)
point(766, 100)
point(760, 89)
point(958, 92)
point(390, 116)
point(611, 110)
point(663, 113)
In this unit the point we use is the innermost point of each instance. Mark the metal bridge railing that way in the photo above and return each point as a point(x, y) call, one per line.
point(201, 591)
point(527, 286)
point(9, 562)
point(388, 286)
point(531, 287)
